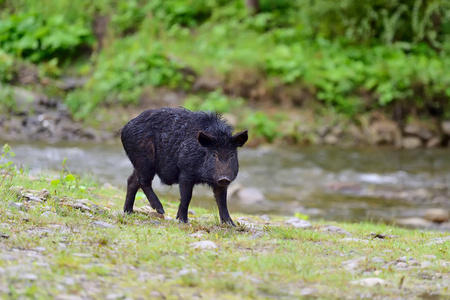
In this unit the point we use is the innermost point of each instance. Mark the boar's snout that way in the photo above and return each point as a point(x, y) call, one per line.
point(223, 181)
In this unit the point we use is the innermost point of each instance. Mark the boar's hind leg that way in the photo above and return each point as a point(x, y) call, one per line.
point(220, 193)
point(132, 188)
point(145, 174)
point(186, 188)
point(153, 199)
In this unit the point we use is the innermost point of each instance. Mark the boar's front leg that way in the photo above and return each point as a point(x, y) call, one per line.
point(220, 193)
point(186, 188)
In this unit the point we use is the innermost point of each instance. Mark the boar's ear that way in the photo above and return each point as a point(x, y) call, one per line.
point(240, 138)
point(204, 139)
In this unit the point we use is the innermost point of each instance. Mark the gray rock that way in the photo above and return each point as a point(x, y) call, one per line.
point(69, 281)
point(265, 217)
point(418, 130)
point(411, 142)
point(81, 206)
point(354, 240)
point(401, 265)
point(48, 214)
point(67, 297)
point(114, 296)
point(377, 259)
point(251, 196)
point(39, 249)
point(187, 271)
point(107, 186)
point(426, 264)
point(204, 245)
point(414, 222)
point(438, 241)
point(369, 282)
point(445, 126)
point(308, 291)
point(7, 257)
point(82, 254)
point(41, 264)
point(102, 224)
point(434, 142)
point(70, 83)
point(16, 205)
point(35, 199)
point(405, 259)
point(335, 229)
point(157, 295)
point(198, 234)
point(352, 264)
point(384, 132)
point(296, 222)
point(330, 139)
point(437, 215)
point(29, 276)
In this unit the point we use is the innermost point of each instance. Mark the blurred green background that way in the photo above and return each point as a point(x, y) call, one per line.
point(347, 57)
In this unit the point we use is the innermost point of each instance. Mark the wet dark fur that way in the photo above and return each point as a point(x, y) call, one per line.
point(183, 147)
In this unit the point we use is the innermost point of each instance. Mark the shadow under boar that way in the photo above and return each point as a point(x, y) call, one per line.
point(184, 147)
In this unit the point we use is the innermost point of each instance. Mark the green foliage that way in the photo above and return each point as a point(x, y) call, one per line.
point(182, 12)
point(122, 73)
point(6, 67)
point(260, 125)
point(29, 35)
point(5, 157)
point(67, 180)
point(341, 73)
point(7, 103)
point(7, 169)
point(214, 101)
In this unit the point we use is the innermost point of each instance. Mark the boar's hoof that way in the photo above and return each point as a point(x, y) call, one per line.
point(160, 211)
point(229, 222)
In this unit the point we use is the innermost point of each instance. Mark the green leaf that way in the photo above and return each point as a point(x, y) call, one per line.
point(69, 177)
point(55, 182)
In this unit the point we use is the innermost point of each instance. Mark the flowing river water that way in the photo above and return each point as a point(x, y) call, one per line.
point(379, 184)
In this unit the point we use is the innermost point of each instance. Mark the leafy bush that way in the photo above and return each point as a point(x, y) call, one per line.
point(29, 35)
point(214, 101)
point(341, 73)
point(6, 67)
point(182, 12)
point(7, 103)
point(121, 74)
point(260, 125)
point(387, 21)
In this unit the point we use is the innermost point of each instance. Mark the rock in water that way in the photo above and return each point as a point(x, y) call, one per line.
point(437, 215)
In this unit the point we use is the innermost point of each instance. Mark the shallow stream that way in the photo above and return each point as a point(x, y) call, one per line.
point(335, 184)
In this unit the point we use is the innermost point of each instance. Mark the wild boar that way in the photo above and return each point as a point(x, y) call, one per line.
point(182, 147)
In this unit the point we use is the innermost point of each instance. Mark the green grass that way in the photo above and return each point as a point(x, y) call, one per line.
point(140, 258)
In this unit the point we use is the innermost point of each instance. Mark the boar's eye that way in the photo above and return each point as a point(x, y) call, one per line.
point(215, 154)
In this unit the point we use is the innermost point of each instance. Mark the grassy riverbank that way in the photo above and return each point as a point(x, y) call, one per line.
point(67, 236)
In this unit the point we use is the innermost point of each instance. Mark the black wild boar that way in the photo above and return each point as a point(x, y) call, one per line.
point(184, 147)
